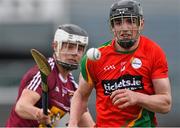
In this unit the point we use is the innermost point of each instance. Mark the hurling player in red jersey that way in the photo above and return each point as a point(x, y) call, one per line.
point(70, 42)
point(130, 78)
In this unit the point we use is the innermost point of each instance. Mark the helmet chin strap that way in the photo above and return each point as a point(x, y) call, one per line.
point(126, 44)
point(66, 66)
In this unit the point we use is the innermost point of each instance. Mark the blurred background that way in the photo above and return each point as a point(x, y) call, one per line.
point(26, 24)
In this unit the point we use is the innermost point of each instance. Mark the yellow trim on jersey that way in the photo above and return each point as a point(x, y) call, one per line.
point(84, 70)
point(89, 79)
point(133, 122)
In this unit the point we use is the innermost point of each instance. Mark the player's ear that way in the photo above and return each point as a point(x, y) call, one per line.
point(54, 45)
point(142, 23)
point(112, 29)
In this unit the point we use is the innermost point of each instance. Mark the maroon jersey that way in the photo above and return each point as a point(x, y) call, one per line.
point(60, 93)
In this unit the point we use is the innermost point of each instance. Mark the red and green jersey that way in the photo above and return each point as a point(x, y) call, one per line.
point(117, 70)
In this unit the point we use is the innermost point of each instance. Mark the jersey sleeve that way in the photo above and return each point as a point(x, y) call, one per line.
point(33, 82)
point(159, 65)
point(87, 70)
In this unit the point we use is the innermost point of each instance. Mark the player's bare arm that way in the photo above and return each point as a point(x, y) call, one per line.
point(159, 102)
point(25, 107)
point(86, 120)
point(79, 102)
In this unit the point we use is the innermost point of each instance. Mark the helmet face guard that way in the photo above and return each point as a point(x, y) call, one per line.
point(71, 40)
point(127, 12)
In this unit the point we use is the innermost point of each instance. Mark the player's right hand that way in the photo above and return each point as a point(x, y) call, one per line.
point(42, 118)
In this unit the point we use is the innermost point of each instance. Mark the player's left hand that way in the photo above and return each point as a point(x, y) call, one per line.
point(124, 98)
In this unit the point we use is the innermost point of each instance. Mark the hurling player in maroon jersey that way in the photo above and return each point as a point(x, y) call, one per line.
point(70, 42)
point(131, 77)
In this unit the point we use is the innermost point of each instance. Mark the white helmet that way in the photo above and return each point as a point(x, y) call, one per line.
point(73, 34)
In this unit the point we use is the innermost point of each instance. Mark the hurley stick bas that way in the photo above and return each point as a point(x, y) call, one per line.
point(45, 70)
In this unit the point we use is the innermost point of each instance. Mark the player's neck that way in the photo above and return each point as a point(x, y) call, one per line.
point(64, 73)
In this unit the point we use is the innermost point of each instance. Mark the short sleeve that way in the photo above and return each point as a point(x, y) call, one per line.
point(87, 69)
point(159, 64)
point(34, 82)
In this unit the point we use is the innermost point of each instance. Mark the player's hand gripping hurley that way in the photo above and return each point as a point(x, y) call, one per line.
point(45, 70)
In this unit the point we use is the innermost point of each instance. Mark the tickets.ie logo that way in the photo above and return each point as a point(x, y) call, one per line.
point(126, 81)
